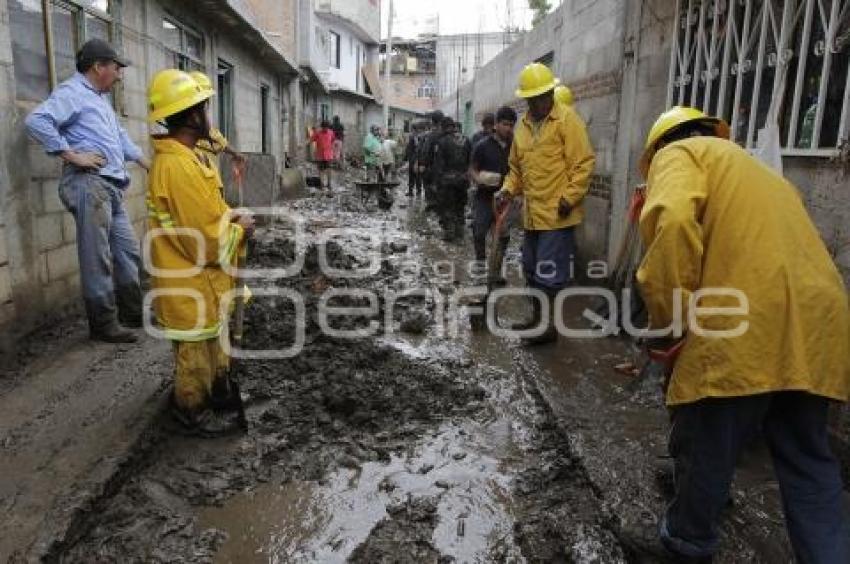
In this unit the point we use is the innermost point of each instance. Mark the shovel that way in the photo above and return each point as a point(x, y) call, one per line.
point(497, 252)
point(494, 264)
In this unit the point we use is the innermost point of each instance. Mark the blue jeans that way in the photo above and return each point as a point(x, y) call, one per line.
point(107, 247)
point(705, 441)
point(547, 258)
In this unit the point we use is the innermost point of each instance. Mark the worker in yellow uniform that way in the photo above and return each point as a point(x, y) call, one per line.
point(563, 95)
point(550, 164)
point(196, 235)
point(732, 252)
point(217, 142)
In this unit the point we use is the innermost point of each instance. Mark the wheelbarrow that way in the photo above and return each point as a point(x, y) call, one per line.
point(380, 189)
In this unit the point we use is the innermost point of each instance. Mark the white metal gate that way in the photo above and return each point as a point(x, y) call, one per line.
point(732, 58)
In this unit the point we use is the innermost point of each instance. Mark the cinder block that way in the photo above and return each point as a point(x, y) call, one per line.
point(5, 284)
point(56, 294)
point(49, 231)
point(61, 262)
point(42, 268)
point(50, 195)
point(69, 228)
point(42, 165)
point(74, 285)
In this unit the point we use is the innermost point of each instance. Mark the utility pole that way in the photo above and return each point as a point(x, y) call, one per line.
point(457, 93)
point(388, 63)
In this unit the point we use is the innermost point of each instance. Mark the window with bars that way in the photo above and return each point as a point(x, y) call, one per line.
point(753, 62)
point(46, 35)
point(185, 45)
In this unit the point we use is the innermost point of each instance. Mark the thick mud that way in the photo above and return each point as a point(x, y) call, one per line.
point(405, 448)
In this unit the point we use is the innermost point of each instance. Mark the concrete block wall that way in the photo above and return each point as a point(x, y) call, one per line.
point(585, 40)
point(39, 272)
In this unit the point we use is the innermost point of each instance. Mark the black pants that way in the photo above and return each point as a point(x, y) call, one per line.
point(705, 441)
point(451, 206)
point(414, 181)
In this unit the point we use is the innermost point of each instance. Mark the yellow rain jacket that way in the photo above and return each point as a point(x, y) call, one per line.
point(555, 161)
point(183, 193)
point(212, 150)
point(715, 217)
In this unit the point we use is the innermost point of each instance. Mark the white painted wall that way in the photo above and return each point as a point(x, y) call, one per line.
point(346, 75)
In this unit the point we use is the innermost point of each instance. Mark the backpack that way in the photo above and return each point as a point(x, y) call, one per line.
point(451, 156)
point(425, 148)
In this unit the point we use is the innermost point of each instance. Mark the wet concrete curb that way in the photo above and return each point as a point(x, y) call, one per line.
point(69, 517)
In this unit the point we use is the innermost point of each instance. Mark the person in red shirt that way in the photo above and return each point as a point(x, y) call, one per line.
point(324, 139)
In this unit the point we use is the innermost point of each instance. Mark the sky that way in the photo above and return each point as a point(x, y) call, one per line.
point(413, 17)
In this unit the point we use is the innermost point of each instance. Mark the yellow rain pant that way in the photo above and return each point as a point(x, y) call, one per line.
point(196, 366)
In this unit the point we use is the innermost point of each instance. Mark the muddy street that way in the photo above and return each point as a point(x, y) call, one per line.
point(389, 431)
point(404, 446)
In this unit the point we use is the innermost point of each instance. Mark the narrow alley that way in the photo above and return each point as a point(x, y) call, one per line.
point(402, 282)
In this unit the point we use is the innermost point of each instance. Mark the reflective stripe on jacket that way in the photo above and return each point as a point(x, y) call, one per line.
point(715, 217)
point(553, 163)
point(185, 202)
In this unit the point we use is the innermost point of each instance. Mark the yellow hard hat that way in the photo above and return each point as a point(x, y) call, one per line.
point(171, 91)
point(563, 95)
point(203, 80)
point(534, 80)
point(670, 120)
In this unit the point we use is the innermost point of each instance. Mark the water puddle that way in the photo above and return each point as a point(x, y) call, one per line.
point(468, 468)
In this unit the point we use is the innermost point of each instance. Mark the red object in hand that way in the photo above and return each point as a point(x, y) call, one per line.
point(667, 356)
point(636, 203)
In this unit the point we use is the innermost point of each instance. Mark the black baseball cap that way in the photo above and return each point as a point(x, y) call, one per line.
point(99, 50)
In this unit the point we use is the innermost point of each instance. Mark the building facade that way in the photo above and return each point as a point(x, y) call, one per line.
point(413, 74)
point(39, 274)
point(339, 46)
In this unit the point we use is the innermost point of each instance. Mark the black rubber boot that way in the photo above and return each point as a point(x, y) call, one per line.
point(204, 422)
point(535, 317)
point(129, 298)
point(550, 335)
point(103, 323)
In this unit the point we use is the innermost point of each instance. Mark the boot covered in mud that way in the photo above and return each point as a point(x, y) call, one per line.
point(550, 334)
point(129, 298)
point(103, 322)
point(536, 313)
point(643, 541)
point(204, 422)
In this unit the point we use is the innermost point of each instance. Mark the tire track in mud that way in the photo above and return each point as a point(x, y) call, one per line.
point(338, 411)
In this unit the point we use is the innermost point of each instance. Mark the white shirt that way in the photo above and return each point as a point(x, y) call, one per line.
point(388, 151)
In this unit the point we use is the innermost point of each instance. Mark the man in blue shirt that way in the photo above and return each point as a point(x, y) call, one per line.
point(77, 124)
